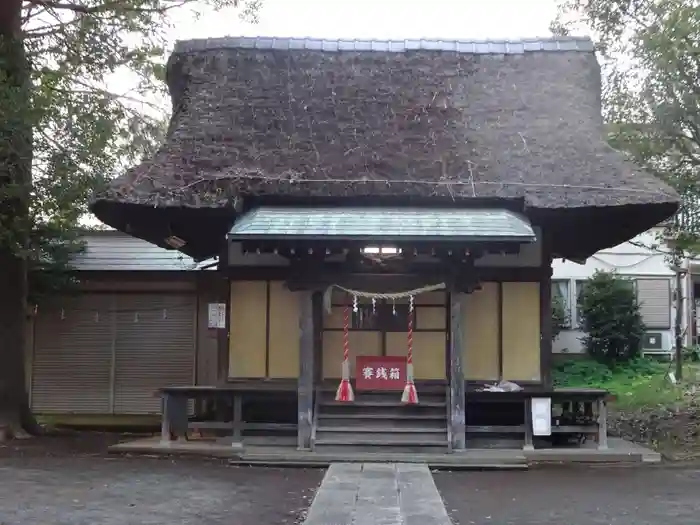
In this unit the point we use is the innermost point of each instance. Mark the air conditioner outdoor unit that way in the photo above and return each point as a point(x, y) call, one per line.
point(658, 343)
point(653, 341)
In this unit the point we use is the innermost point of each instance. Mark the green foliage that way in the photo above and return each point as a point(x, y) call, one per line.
point(50, 264)
point(651, 101)
point(560, 316)
point(692, 354)
point(85, 128)
point(588, 372)
point(580, 373)
point(637, 383)
point(610, 319)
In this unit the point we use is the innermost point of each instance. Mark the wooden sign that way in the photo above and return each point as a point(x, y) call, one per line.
point(380, 372)
point(541, 416)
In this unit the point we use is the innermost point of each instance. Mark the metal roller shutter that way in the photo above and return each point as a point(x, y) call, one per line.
point(654, 296)
point(155, 347)
point(72, 356)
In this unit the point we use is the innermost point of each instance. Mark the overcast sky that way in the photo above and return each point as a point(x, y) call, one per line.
point(399, 19)
point(478, 19)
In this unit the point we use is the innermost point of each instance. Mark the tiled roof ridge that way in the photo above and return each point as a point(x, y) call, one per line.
point(470, 46)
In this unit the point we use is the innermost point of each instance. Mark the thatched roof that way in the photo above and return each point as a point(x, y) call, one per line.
point(433, 120)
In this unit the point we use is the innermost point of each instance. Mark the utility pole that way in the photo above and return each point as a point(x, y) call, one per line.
point(678, 324)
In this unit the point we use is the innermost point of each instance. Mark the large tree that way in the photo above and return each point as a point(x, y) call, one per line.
point(63, 131)
point(651, 97)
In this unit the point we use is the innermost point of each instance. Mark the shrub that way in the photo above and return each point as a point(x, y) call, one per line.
point(610, 319)
point(581, 372)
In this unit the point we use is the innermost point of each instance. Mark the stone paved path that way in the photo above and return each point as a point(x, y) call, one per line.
point(377, 494)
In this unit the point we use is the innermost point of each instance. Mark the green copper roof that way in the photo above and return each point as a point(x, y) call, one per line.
point(373, 223)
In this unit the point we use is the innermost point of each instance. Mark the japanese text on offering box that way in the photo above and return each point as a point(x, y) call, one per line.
point(380, 372)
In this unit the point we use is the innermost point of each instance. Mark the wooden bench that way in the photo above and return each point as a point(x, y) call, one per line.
point(175, 422)
point(588, 403)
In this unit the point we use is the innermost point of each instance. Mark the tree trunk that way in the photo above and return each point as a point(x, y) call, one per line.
point(15, 183)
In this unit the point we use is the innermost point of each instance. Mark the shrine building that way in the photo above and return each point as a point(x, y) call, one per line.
point(385, 215)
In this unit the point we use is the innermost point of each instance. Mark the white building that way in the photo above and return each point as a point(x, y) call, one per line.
point(649, 267)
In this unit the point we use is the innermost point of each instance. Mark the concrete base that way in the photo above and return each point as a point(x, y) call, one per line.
point(285, 455)
point(259, 452)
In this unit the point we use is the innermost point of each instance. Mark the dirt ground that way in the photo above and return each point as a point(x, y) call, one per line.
point(573, 496)
point(70, 480)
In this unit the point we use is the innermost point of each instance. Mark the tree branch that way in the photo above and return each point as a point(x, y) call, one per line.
point(107, 6)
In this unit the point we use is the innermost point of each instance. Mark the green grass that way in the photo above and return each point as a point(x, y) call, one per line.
point(641, 383)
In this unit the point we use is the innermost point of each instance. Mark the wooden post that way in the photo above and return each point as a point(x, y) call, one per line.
point(602, 423)
point(457, 420)
point(529, 442)
point(305, 388)
point(237, 419)
point(546, 316)
point(317, 306)
point(222, 338)
point(174, 418)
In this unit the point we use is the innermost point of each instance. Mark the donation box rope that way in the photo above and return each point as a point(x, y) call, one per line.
point(345, 392)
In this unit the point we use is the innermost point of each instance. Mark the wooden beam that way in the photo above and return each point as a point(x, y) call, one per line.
point(301, 247)
point(366, 282)
point(331, 272)
point(457, 420)
point(305, 387)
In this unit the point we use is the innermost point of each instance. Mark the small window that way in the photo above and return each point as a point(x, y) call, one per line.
point(580, 285)
point(560, 291)
point(654, 297)
point(381, 250)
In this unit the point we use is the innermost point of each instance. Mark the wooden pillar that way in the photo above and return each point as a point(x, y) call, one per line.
point(222, 336)
point(174, 418)
point(602, 423)
point(237, 419)
point(546, 314)
point(317, 305)
point(457, 419)
point(529, 440)
point(305, 387)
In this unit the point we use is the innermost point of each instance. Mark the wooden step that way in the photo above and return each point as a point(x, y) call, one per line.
point(383, 424)
point(382, 416)
point(392, 404)
point(380, 452)
point(378, 441)
point(384, 396)
point(383, 430)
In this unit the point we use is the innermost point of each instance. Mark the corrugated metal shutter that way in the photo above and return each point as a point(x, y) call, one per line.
point(654, 297)
point(72, 356)
point(155, 347)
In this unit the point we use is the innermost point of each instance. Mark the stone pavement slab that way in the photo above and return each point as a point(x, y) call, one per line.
point(421, 503)
point(377, 494)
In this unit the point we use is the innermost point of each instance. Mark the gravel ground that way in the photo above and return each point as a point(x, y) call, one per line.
point(573, 496)
point(71, 481)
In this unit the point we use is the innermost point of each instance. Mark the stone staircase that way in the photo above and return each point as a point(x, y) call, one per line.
point(379, 422)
